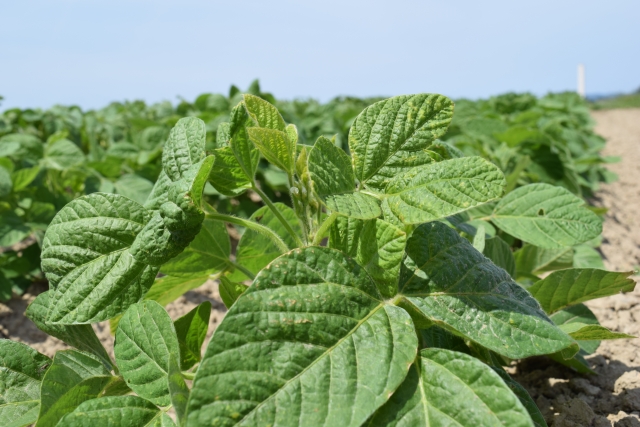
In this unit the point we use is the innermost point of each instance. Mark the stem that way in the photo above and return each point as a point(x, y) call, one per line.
point(323, 228)
point(244, 271)
point(259, 228)
point(278, 215)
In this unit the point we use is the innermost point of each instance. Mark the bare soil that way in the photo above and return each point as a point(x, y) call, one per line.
point(567, 399)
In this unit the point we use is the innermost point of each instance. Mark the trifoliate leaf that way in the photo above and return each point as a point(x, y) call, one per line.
point(130, 411)
point(191, 329)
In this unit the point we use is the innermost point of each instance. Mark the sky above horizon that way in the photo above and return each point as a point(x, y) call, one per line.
point(92, 52)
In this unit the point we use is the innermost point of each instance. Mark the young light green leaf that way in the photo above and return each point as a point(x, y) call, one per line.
point(263, 113)
point(479, 240)
point(130, 411)
point(145, 339)
point(585, 256)
point(499, 252)
point(255, 250)
point(178, 389)
point(168, 289)
point(191, 329)
point(546, 216)
point(230, 291)
point(563, 288)
point(243, 149)
point(207, 254)
point(21, 372)
point(334, 182)
point(82, 337)
point(85, 256)
point(534, 260)
point(23, 177)
point(274, 146)
point(441, 189)
point(376, 245)
point(587, 332)
point(184, 148)
point(449, 388)
point(389, 135)
point(321, 343)
point(459, 289)
point(74, 377)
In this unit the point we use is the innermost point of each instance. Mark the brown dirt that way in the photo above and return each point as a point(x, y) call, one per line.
point(609, 398)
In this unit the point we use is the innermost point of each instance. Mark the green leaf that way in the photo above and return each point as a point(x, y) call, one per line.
point(130, 411)
point(178, 389)
point(82, 337)
point(21, 372)
point(499, 252)
point(546, 216)
point(184, 148)
point(191, 330)
point(244, 150)
point(86, 258)
point(534, 260)
point(311, 340)
point(12, 229)
point(207, 254)
point(168, 289)
point(134, 187)
point(159, 192)
point(586, 332)
point(442, 189)
point(62, 154)
point(577, 313)
point(145, 339)
point(263, 113)
point(227, 176)
point(230, 291)
point(388, 136)
point(255, 250)
point(23, 177)
point(523, 395)
point(334, 182)
point(479, 240)
point(446, 280)
point(73, 378)
point(447, 388)
point(274, 146)
point(21, 146)
point(6, 184)
point(577, 363)
point(563, 288)
point(585, 256)
point(375, 244)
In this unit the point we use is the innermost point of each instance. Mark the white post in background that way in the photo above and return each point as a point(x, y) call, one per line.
point(581, 87)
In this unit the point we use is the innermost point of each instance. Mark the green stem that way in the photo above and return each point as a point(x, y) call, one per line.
point(324, 228)
point(244, 270)
point(278, 215)
point(259, 228)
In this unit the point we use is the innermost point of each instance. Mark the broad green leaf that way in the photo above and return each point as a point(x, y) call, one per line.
point(578, 313)
point(479, 240)
point(12, 228)
point(74, 377)
point(134, 187)
point(585, 256)
point(130, 411)
point(546, 216)
point(334, 182)
point(145, 339)
point(499, 252)
point(311, 340)
point(227, 176)
point(230, 291)
point(451, 284)
point(168, 289)
point(86, 258)
point(191, 329)
point(447, 388)
point(62, 154)
point(178, 389)
point(436, 337)
point(207, 254)
point(532, 259)
point(563, 288)
point(389, 136)
point(376, 245)
point(184, 148)
point(263, 113)
point(21, 372)
point(523, 395)
point(256, 250)
point(442, 189)
point(6, 184)
point(23, 177)
point(274, 146)
point(587, 332)
point(82, 337)
point(21, 146)
point(159, 192)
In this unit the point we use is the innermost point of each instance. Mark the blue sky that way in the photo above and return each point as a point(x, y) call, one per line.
point(92, 52)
